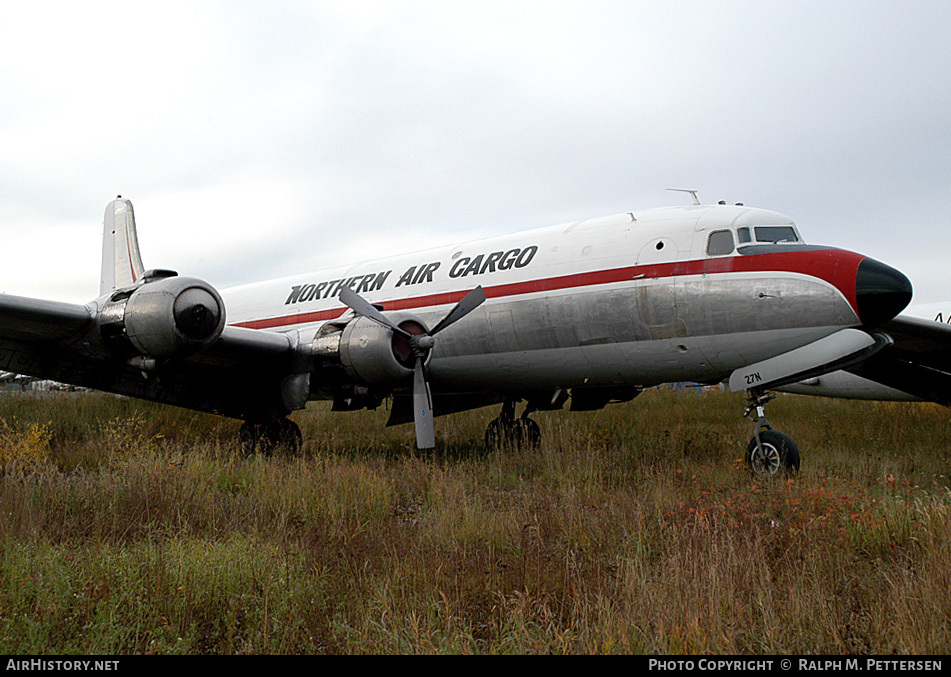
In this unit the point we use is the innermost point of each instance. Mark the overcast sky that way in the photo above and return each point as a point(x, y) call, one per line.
point(263, 139)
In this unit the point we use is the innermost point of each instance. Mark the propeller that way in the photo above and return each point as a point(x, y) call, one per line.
point(420, 344)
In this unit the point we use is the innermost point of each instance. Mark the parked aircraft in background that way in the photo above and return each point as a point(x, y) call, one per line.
point(34, 384)
point(586, 313)
point(8, 377)
point(936, 312)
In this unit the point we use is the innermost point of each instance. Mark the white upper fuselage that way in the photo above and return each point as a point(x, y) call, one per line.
point(652, 237)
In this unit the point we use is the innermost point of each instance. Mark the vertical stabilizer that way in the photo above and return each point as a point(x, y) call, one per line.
point(121, 262)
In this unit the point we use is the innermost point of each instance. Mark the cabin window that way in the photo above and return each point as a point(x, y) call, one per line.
point(743, 235)
point(776, 234)
point(720, 243)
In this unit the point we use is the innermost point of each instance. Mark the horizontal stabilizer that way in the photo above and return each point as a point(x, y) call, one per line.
point(840, 350)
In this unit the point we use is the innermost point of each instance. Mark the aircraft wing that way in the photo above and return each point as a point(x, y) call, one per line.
point(238, 373)
point(918, 363)
point(34, 319)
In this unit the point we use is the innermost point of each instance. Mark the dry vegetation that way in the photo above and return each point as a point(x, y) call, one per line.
point(134, 528)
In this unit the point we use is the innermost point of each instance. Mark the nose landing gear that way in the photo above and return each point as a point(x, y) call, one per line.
point(770, 451)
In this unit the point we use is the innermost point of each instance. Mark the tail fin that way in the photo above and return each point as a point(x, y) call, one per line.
point(121, 262)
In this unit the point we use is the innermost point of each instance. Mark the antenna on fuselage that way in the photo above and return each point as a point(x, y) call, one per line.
point(693, 193)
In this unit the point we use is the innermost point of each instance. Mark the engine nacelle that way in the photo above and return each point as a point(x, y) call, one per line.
point(166, 317)
point(375, 355)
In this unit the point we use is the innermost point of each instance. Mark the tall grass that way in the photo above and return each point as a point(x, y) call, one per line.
point(128, 527)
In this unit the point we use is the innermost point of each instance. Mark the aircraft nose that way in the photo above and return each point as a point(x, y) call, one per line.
point(881, 292)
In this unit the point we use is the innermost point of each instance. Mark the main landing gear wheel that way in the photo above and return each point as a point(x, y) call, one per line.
point(279, 435)
point(770, 451)
point(508, 432)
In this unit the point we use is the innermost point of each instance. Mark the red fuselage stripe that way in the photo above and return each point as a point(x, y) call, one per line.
point(838, 267)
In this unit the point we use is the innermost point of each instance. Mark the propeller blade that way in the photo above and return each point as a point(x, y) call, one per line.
point(422, 397)
point(423, 409)
point(470, 302)
point(362, 307)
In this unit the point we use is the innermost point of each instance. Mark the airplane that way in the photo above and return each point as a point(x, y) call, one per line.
point(589, 312)
point(7, 377)
point(24, 381)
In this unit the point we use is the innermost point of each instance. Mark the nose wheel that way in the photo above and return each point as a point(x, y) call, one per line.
point(770, 451)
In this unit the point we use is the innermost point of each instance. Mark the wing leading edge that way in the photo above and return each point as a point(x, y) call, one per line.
point(30, 319)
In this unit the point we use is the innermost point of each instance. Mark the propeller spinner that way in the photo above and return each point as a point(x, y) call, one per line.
point(420, 344)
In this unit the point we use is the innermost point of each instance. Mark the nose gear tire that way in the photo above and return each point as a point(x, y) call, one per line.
point(774, 452)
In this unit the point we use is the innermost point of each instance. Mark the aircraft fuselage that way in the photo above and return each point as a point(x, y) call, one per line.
point(631, 300)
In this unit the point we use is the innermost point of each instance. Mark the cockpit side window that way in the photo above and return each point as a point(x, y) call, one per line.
point(720, 243)
point(743, 235)
point(776, 234)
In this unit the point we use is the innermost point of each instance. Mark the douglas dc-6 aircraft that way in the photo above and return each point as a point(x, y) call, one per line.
point(590, 312)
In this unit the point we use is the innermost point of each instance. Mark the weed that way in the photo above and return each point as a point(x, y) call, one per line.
point(24, 447)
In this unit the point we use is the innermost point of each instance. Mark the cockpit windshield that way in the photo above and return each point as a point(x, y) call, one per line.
point(751, 239)
point(771, 234)
point(775, 234)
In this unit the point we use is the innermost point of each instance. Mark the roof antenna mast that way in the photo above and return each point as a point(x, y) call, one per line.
point(693, 193)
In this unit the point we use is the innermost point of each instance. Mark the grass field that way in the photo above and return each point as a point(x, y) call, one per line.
point(127, 527)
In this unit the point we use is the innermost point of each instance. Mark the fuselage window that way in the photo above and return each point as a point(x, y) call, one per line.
point(776, 234)
point(743, 235)
point(720, 243)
